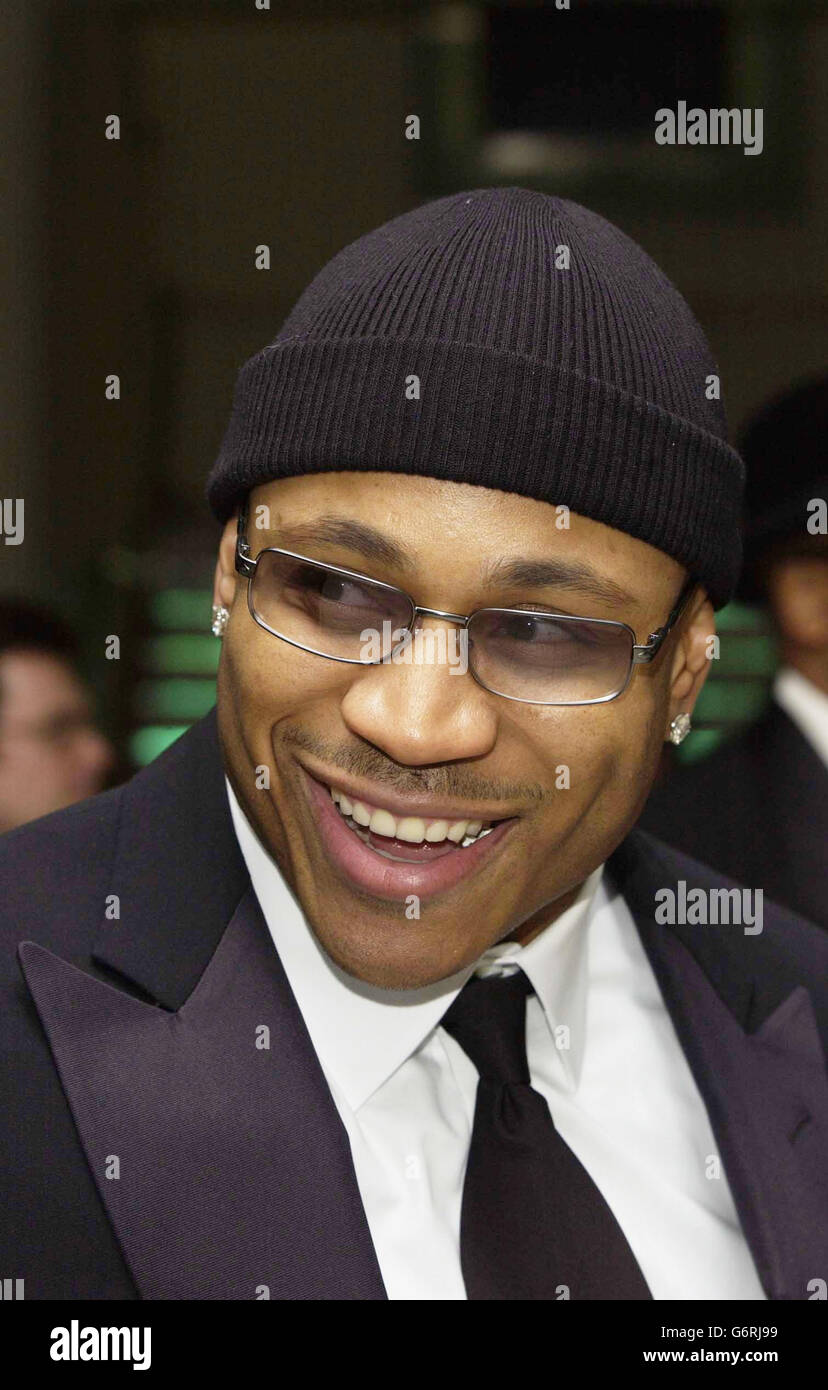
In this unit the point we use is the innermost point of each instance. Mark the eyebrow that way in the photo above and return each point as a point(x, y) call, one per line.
point(557, 574)
point(333, 529)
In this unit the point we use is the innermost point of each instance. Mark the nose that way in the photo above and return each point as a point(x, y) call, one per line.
point(422, 710)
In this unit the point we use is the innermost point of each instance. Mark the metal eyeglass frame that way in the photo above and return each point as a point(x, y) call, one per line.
point(641, 654)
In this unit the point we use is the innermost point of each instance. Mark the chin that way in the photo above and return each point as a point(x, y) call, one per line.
point(370, 961)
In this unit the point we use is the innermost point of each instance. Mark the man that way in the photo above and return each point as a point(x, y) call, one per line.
point(51, 753)
point(362, 990)
point(757, 808)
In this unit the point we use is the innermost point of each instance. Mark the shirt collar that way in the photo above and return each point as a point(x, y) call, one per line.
point(806, 705)
point(361, 1033)
point(557, 964)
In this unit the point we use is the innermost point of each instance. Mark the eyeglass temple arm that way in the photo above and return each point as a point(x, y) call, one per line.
point(643, 654)
point(244, 564)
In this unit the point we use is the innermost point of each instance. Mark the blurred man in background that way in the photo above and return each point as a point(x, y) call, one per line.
point(51, 752)
point(758, 807)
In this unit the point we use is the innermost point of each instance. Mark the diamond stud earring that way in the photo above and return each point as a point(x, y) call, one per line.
point(679, 728)
point(220, 617)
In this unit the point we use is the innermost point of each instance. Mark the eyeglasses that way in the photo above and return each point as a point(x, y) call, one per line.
point(537, 658)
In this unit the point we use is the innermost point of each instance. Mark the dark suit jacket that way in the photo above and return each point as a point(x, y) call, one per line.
point(757, 809)
point(151, 1150)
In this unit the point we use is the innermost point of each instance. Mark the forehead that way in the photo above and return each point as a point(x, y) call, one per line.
point(463, 529)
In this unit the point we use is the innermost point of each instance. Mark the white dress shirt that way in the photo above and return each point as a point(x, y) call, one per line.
point(806, 705)
point(602, 1051)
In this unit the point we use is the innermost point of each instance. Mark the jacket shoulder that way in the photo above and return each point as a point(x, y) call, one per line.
point(788, 951)
point(53, 871)
point(56, 872)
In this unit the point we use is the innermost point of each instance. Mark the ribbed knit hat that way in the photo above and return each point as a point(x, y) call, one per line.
point(585, 386)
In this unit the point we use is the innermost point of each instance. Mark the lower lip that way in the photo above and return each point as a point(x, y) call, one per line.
point(384, 878)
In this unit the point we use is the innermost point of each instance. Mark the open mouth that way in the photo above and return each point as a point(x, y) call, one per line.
point(394, 857)
point(409, 839)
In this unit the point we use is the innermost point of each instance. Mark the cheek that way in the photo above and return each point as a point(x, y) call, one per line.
point(621, 760)
point(593, 751)
point(270, 680)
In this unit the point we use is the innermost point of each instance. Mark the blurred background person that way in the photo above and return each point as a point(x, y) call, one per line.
point(51, 751)
point(757, 808)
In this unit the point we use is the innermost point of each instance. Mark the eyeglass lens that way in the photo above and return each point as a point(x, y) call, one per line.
point(559, 660)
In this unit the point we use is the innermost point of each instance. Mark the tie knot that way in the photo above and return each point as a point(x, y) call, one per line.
point(488, 1020)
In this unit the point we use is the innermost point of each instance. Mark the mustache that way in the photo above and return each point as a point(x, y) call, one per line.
point(407, 781)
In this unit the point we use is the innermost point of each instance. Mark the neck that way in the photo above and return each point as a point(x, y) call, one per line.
point(543, 918)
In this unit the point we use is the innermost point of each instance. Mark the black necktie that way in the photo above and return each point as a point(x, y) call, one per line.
point(533, 1223)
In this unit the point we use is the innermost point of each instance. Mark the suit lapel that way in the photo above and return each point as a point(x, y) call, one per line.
point(204, 1114)
point(210, 1132)
point(177, 870)
point(760, 1070)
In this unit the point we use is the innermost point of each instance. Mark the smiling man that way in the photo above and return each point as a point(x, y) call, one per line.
point(398, 784)
point(362, 990)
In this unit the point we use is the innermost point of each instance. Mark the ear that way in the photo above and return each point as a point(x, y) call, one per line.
point(224, 579)
point(692, 655)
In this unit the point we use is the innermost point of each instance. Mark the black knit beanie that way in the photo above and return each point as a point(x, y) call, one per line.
point(554, 359)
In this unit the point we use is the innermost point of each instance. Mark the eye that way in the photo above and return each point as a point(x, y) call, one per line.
point(336, 590)
point(541, 631)
point(330, 598)
point(528, 628)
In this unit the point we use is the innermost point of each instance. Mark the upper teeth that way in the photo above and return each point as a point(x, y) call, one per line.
point(412, 828)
